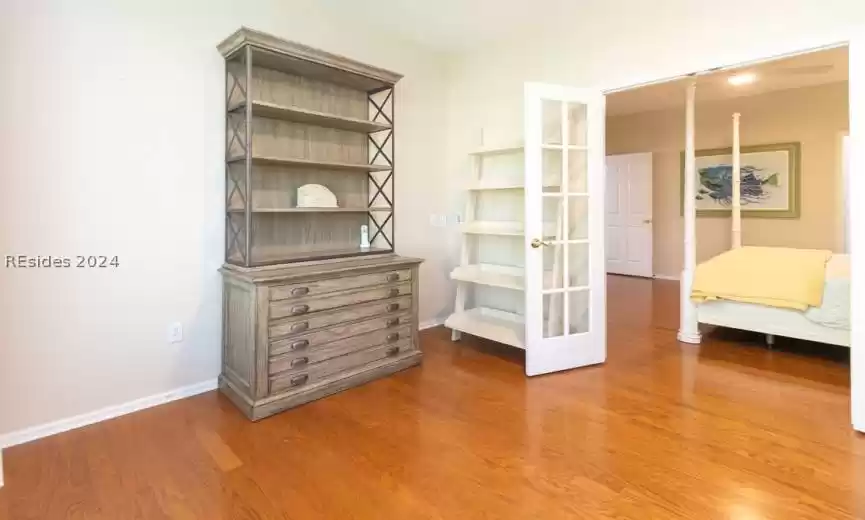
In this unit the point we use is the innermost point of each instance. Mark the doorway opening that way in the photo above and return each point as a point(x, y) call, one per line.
point(801, 99)
point(794, 117)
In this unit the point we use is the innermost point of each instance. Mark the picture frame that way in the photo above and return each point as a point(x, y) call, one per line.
point(771, 181)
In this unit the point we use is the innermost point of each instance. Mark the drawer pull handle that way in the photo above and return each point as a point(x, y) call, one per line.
point(300, 291)
point(392, 307)
point(299, 345)
point(299, 309)
point(299, 380)
point(393, 336)
point(392, 351)
point(392, 277)
point(393, 322)
point(300, 326)
point(393, 292)
point(299, 362)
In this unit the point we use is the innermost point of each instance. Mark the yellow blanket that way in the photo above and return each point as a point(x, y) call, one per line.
point(773, 276)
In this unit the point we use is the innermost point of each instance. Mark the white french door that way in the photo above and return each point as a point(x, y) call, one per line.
point(564, 246)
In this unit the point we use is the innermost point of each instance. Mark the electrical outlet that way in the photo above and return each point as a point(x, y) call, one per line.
point(175, 332)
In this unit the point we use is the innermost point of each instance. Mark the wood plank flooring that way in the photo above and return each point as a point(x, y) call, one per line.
point(664, 430)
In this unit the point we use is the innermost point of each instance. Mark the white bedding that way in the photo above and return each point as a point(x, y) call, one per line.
point(829, 323)
point(835, 309)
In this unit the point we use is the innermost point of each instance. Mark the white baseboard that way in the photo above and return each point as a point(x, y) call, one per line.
point(666, 277)
point(45, 430)
point(110, 412)
point(428, 324)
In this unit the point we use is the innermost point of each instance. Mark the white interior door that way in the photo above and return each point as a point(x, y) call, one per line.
point(629, 214)
point(564, 246)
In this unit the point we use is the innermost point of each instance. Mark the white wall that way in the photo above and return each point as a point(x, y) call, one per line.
point(616, 43)
point(112, 143)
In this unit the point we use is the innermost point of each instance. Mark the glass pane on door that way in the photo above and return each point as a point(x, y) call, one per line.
point(551, 129)
point(554, 315)
point(565, 218)
point(577, 119)
point(578, 312)
point(578, 170)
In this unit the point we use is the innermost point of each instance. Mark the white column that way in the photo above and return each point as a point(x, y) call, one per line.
point(737, 190)
point(688, 331)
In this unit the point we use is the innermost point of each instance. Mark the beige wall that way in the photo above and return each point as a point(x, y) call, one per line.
point(813, 116)
point(113, 124)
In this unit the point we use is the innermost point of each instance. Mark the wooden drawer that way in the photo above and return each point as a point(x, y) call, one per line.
point(284, 308)
point(313, 340)
point(301, 325)
point(298, 379)
point(317, 287)
point(295, 361)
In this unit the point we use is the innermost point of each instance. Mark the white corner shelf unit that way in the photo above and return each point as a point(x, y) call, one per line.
point(490, 229)
point(491, 278)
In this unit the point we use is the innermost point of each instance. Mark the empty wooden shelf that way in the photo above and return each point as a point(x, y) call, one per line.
point(301, 115)
point(310, 210)
point(324, 165)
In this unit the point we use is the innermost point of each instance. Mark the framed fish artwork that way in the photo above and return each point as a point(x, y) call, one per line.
point(770, 181)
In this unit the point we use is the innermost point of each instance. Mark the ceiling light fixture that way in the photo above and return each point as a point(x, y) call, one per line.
point(742, 79)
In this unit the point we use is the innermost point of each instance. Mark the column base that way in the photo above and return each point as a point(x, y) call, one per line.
point(687, 337)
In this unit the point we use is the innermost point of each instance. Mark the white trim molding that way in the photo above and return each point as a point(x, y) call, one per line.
point(671, 277)
point(63, 425)
point(428, 324)
point(857, 230)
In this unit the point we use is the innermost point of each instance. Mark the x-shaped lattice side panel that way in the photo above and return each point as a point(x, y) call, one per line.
point(235, 238)
point(381, 148)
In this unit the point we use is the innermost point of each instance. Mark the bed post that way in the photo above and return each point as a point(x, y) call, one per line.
point(737, 187)
point(688, 330)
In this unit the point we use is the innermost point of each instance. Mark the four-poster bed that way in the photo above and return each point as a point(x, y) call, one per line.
point(795, 293)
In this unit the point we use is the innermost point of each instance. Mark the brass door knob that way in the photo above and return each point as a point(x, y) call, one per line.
point(537, 242)
point(647, 221)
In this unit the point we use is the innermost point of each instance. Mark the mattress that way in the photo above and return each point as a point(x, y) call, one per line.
point(834, 312)
point(828, 323)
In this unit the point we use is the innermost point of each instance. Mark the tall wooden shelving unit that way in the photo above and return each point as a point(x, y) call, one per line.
point(309, 308)
point(294, 116)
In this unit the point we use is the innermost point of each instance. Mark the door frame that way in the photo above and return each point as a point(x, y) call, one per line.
point(650, 155)
point(854, 39)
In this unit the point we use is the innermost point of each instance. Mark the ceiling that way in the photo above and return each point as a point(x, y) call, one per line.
point(450, 25)
point(805, 70)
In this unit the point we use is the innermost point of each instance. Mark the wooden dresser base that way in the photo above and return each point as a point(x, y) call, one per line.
point(297, 333)
point(276, 404)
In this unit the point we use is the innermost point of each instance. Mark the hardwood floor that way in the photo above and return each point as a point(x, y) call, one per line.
point(663, 430)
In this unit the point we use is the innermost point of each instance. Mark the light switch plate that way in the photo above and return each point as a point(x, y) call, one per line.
point(175, 332)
